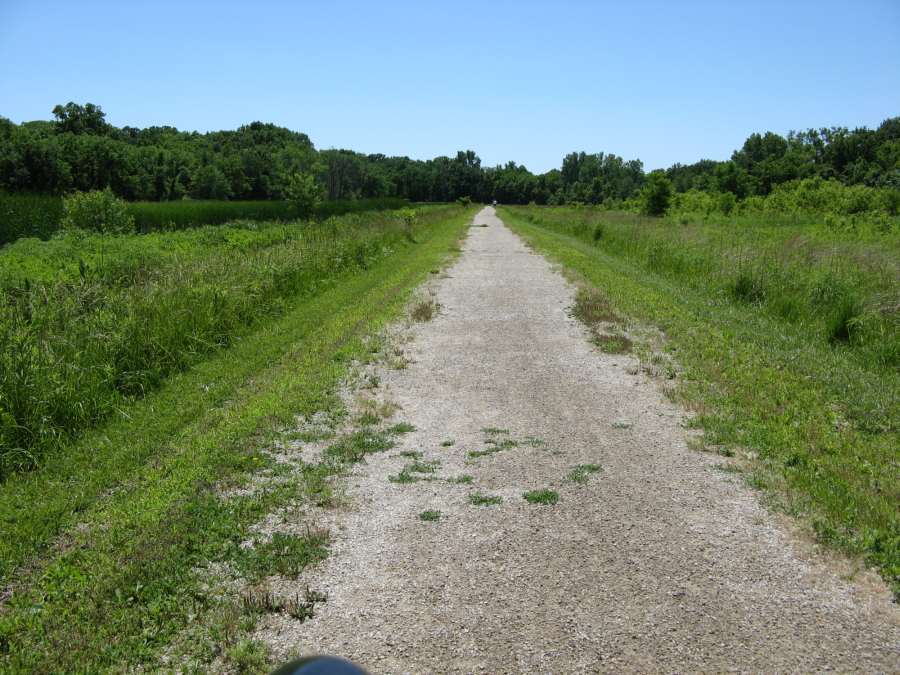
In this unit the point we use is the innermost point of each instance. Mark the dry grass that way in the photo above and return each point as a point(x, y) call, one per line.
point(424, 310)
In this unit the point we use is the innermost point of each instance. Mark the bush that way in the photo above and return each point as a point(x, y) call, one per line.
point(97, 211)
point(304, 192)
point(656, 194)
point(464, 201)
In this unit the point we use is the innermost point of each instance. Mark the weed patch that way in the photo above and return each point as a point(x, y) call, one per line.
point(479, 499)
point(430, 516)
point(582, 472)
point(284, 554)
point(545, 496)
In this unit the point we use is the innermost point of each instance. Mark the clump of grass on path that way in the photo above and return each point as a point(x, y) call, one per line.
point(544, 496)
point(480, 499)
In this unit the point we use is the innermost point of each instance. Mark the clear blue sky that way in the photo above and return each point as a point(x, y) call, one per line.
point(529, 81)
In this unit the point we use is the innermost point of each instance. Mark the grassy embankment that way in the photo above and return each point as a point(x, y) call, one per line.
point(106, 538)
point(35, 215)
point(789, 338)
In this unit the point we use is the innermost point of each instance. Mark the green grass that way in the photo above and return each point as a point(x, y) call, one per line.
point(90, 322)
point(811, 405)
point(582, 472)
point(480, 499)
point(430, 516)
point(544, 496)
point(34, 215)
point(283, 554)
point(107, 540)
point(28, 215)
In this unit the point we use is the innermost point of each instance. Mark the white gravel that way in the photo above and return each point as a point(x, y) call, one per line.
point(658, 562)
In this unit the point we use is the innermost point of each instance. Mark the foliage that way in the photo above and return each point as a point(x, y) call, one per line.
point(90, 321)
point(304, 192)
point(81, 151)
point(97, 211)
point(655, 194)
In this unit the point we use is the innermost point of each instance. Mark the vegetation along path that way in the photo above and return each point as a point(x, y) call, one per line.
point(631, 551)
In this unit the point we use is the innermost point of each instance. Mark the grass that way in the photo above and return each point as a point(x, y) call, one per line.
point(448, 443)
point(108, 540)
point(424, 310)
point(481, 499)
point(544, 496)
point(464, 479)
point(801, 382)
point(283, 554)
point(89, 323)
point(582, 472)
point(430, 516)
point(401, 428)
point(412, 471)
point(34, 215)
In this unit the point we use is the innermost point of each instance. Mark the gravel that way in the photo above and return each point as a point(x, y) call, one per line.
point(659, 561)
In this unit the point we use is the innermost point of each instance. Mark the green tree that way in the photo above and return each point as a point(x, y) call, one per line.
point(78, 119)
point(656, 194)
point(304, 191)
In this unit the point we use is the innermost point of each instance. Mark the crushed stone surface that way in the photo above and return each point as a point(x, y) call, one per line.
point(659, 561)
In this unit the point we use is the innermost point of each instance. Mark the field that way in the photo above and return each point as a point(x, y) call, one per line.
point(789, 340)
point(149, 372)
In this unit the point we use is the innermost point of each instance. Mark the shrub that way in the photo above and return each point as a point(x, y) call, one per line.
point(98, 211)
point(656, 194)
point(464, 201)
point(304, 192)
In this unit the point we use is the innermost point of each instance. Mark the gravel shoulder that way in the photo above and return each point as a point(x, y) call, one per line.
point(657, 561)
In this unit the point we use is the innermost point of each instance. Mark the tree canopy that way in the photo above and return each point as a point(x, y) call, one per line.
point(80, 150)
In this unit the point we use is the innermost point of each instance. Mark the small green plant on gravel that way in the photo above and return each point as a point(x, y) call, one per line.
point(422, 467)
point(480, 499)
point(494, 446)
point(580, 473)
point(463, 479)
point(412, 472)
point(404, 477)
point(544, 496)
point(430, 516)
point(248, 656)
point(493, 431)
point(401, 428)
point(264, 601)
point(449, 442)
point(411, 454)
point(621, 424)
point(355, 446)
point(284, 554)
point(613, 344)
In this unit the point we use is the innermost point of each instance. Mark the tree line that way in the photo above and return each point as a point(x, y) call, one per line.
point(80, 150)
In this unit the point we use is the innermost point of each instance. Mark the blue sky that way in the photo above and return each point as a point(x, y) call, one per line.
point(527, 81)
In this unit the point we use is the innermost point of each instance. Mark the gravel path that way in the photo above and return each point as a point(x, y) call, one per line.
point(659, 561)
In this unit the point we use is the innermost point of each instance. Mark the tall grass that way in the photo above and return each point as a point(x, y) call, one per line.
point(88, 321)
point(841, 284)
point(29, 215)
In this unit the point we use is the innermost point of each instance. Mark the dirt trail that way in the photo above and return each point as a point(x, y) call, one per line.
point(658, 562)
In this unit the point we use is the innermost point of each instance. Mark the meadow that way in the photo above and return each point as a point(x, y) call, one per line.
point(89, 321)
point(788, 341)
